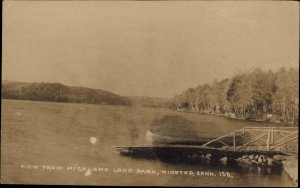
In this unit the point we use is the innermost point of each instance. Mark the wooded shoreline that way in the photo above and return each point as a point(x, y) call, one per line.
point(232, 117)
point(257, 95)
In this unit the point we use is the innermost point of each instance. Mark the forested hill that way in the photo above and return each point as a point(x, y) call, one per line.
point(257, 95)
point(59, 93)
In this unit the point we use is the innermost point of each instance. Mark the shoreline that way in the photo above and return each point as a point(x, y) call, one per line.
point(242, 119)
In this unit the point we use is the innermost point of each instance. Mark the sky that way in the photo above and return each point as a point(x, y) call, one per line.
point(146, 48)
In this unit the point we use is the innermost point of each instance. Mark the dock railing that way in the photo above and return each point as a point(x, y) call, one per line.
point(256, 138)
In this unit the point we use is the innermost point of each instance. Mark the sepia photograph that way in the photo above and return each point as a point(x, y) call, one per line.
point(150, 93)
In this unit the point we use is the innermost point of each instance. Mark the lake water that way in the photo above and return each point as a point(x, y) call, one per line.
point(60, 143)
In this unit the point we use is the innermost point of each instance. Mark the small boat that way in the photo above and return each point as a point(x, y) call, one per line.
point(155, 138)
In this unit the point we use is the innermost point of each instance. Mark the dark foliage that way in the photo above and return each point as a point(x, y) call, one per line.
point(59, 93)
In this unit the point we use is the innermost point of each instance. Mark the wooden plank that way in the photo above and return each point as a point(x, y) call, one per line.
point(257, 135)
point(227, 135)
point(268, 140)
point(222, 143)
point(234, 144)
point(252, 141)
point(217, 151)
point(276, 142)
point(272, 134)
point(270, 127)
point(285, 142)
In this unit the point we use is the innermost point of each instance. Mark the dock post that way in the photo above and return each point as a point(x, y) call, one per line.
point(234, 145)
point(272, 140)
point(268, 140)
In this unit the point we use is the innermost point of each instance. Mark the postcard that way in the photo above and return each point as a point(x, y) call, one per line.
point(150, 93)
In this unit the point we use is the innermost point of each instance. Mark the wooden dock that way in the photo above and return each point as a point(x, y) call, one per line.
point(267, 141)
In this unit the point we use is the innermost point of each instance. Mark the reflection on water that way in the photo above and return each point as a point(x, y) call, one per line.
point(230, 174)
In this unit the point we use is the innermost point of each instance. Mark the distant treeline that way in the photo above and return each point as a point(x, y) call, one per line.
point(152, 102)
point(256, 95)
point(59, 93)
point(56, 92)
